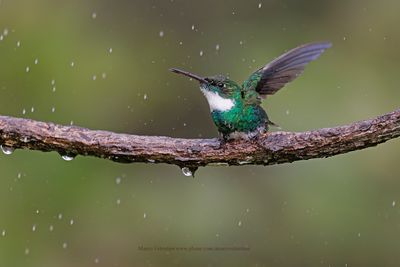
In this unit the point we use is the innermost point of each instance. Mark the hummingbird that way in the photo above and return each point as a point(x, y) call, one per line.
point(236, 109)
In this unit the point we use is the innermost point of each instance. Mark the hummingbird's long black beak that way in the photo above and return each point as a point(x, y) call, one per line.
point(190, 75)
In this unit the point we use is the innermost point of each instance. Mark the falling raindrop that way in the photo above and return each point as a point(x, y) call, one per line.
point(71, 222)
point(161, 34)
point(144, 215)
point(96, 260)
point(32, 109)
point(201, 53)
point(145, 96)
point(53, 82)
point(118, 180)
point(18, 43)
point(393, 203)
point(27, 251)
point(5, 32)
point(60, 216)
point(104, 75)
point(72, 64)
point(27, 69)
point(110, 50)
point(54, 89)
point(64, 245)
point(34, 228)
point(240, 223)
point(94, 77)
point(94, 15)
point(7, 150)
point(192, 27)
point(23, 112)
point(53, 109)
point(3, 233)
point(259, 5)
point(118, 201)
point(51, 228)
point(36, 61)
point(217, 47)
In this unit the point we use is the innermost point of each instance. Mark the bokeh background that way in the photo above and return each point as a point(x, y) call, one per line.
point(104, 65)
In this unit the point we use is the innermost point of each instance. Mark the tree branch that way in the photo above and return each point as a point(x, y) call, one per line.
point(270, 148)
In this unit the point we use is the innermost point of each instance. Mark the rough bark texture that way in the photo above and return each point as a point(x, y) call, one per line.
point(271, 148)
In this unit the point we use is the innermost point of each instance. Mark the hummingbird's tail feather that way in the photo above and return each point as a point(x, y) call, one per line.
point(273, 124)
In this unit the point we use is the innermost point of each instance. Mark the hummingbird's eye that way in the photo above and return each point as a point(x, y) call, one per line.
point(220, 85)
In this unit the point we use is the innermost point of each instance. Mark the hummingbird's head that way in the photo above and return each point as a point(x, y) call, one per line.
point(218, 90)
point(216, 84)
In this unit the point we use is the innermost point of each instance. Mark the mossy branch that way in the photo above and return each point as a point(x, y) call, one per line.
point(268, 149)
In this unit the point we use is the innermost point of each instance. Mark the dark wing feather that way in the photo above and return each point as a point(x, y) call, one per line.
point(269, 79)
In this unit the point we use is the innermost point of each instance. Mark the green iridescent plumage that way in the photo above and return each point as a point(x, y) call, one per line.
point(236, 110)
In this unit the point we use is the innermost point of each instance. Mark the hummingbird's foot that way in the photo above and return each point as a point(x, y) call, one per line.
point(222, 141)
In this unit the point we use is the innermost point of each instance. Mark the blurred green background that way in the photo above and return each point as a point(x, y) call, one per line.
point(104, 65)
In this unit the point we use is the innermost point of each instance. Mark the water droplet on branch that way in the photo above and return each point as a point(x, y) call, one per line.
point(7, 150)
point(189, 171)
point(68, 157)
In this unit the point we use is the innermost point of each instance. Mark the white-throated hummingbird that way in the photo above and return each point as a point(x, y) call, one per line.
point(236, 110)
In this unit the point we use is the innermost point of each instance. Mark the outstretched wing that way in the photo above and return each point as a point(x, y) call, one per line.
point(282, 70)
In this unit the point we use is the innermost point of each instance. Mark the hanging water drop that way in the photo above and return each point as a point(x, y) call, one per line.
point(67, 157)
point(186, 171)
point(189, 171)
point(7, 150)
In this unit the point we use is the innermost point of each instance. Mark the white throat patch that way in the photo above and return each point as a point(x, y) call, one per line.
point(217, 102)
